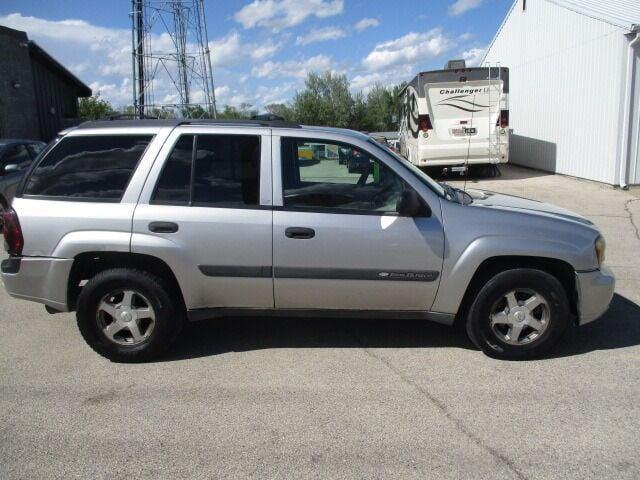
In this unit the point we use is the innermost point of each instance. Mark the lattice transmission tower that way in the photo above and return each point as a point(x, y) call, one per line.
point(170, 54)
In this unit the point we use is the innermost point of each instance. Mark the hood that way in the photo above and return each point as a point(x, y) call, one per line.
point(525, 205)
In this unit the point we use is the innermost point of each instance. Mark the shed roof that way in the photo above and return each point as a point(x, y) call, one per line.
point(36, 51)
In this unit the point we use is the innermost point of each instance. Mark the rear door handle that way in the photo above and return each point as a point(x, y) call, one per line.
point(300, 232)
point(163, 227)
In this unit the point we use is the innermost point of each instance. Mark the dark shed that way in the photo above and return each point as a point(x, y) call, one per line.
point(38, 96)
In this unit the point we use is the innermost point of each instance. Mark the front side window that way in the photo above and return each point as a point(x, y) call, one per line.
point(224, 171)
point(327, 176)
point(95, 167)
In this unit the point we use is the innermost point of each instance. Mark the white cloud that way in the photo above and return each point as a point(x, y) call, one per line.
point(462, 6)
point(321, 35)
point(101, 57)
point(473, 56)
point(225, 51)
point(117, 93)
point(223, 93)
point(407, 49)
point(292, 68)
point(280, 14)
point(364, 82)
point(365, 23)
point(264, 50)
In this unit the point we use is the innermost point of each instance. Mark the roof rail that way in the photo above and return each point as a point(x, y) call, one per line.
point(123, 121)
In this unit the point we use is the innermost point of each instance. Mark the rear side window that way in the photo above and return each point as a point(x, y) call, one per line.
point(226, 172)
point(174, 184)
point(96, 167)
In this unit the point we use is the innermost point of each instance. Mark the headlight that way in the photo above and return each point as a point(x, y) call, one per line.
point(600, 246)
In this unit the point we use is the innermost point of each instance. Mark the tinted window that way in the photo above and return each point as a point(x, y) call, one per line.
point(92, 167)
point(175, 179)
point(16, 155)
point(227, 170)
point(324, 175)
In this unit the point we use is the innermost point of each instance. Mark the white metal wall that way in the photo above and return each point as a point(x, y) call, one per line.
point(566, 76)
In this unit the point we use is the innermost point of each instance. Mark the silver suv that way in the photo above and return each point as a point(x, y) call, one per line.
point(140, 226)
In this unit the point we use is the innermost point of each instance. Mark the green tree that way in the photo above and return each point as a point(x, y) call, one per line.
point(282, 110)
point(92, 108)
point(243, 112)
point(326, 100)
point(379, 109)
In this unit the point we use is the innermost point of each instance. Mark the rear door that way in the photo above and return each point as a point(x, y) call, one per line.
point(206, 211)
point(338, 242)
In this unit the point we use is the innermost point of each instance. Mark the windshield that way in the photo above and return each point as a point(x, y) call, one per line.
point(423, 177)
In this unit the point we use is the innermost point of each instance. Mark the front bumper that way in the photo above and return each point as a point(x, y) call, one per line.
point(39, 279)
point(595, 291)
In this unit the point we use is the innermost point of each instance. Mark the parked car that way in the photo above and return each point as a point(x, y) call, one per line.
point(16, 157)
point(142, 225)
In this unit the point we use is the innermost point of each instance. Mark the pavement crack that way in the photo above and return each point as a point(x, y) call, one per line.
point(630, 215)
point(459, 424)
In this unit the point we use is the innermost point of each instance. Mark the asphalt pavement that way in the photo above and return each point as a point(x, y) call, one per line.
point(329, 399)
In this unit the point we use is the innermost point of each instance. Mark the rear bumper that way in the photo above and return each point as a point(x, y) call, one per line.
point(39, 279)
point(476, 153)
point(595, 291)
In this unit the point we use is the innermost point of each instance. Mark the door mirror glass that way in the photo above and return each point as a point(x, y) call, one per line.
point(411, 205)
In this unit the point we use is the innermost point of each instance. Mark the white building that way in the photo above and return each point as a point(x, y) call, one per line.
point(574, 68)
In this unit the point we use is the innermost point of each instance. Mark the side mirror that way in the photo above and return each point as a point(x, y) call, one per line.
point(12, 167)
point(411, 205)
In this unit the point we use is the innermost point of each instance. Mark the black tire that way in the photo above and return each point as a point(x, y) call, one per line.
point(169, 314)
point(479, 326)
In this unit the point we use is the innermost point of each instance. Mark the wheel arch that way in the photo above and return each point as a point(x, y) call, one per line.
point(88, 264)
point(561, 270)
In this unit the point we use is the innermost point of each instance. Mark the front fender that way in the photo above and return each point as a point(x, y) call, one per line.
point(458, 270)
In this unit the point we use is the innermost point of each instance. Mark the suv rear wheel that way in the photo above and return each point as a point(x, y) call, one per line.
point(127, 315)
point(518, 314)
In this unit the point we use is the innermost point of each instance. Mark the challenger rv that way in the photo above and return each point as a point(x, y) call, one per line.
point(456, 117)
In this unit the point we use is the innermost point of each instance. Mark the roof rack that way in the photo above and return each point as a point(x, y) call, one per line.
point(117, 121)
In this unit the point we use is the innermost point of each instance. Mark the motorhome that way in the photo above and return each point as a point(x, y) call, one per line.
point(456, 117)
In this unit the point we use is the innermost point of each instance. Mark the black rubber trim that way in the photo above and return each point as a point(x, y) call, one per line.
point(319, 273)
point(199, 314)
point(356, 274)
point(11, 265)
point(235, 271)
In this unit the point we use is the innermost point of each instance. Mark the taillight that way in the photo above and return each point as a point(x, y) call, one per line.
point(424, 123)
point(13, 240)
point(503, 121)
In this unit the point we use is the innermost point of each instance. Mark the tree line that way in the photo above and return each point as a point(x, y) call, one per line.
point(325, 100)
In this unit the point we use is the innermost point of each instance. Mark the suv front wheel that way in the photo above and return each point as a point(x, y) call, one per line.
point(518, 314)
point(127, 315)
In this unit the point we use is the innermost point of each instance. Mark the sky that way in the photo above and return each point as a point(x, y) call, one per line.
point(261, 50)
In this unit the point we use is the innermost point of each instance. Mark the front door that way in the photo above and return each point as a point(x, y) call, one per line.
point(206, 211)
point(338, 242)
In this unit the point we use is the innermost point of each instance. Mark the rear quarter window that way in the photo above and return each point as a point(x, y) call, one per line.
point(96, 167)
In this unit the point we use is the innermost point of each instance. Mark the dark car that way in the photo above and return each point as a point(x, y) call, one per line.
point(15, 158)
point(358, 162)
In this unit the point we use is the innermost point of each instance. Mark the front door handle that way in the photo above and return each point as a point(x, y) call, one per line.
point(163, 227)
point(300, 232)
